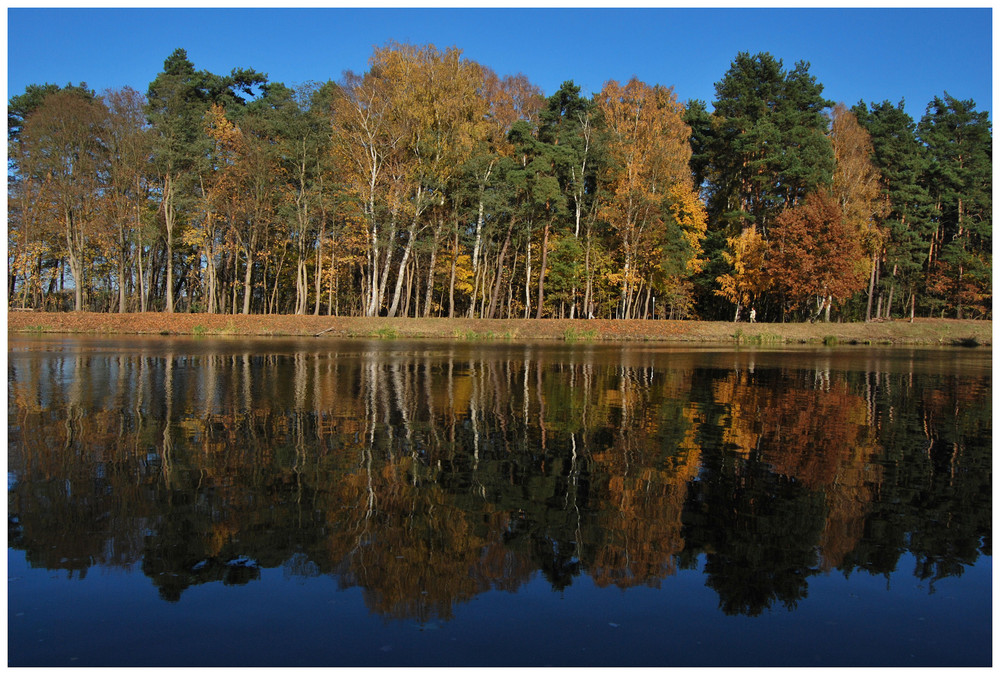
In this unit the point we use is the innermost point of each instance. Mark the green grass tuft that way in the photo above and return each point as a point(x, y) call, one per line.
point(742, 338)
point(574, 335)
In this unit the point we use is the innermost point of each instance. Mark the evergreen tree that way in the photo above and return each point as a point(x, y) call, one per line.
point(959, 180)
point(568, 122)
point(543, 200)
point(178, 99)
point(901, 160)
point(177, 102)
point(697, 117)
point(764, 151)
point(769, 148)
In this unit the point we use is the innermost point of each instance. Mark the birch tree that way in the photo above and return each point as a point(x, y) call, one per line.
point(648, 153)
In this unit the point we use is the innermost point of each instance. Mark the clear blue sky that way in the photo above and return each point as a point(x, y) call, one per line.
point(856, 54)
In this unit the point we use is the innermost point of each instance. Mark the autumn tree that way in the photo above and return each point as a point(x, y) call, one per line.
point(368, 143)
point(509, 99)
point(857, 188)
point(21, 106)
point(815, 255)
point(34, 243)
point(62, 149)
point(648, 153)
point(215, 190)
point(749, 278)
point(127, 197)
point(448, 123)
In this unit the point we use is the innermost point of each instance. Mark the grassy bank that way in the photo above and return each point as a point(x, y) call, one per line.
point(921, 331)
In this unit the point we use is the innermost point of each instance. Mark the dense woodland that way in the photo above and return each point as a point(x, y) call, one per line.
point(431, 186)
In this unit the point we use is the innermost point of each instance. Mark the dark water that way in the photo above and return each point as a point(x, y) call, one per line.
point(317, 502)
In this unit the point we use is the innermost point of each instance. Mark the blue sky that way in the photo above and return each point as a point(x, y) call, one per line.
point(875, 55)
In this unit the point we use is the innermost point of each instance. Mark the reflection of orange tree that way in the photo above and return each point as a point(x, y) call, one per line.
point(413, 550)
point(819, 436)
point(641, 498)
point(81, 481)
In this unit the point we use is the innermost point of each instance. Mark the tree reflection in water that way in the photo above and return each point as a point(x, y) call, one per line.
point(426, 474)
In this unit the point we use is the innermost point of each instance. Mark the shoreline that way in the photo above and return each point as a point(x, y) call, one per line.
point(959, 332)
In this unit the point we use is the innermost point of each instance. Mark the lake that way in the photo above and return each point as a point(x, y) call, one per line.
point(312, 502)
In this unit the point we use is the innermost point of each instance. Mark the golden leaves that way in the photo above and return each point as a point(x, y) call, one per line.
point(749, 279)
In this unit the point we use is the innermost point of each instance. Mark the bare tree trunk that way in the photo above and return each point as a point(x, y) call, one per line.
point(402, 266)
point(541, 271)
point(383, 283)
point(588, 294)
point(121, 286)
point(168, 217)
point(499, 273)
point(301, 284)
point(430, 269)
point(871, 288)
point(247, 278)
point(451, 282)
point(319, 268)
point(333, 281)
point(212, 273)
point(527, 280)
point(408, 294)
point(142, 279)
point(73, 257)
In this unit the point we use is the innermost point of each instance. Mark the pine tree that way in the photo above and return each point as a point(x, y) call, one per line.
point(765, 150)
point(901, 161)
point(959, 180)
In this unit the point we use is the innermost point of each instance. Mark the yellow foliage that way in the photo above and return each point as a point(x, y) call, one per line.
point(749, 278)
point(690, 215)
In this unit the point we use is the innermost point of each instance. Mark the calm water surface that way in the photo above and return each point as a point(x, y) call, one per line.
point(318, 502)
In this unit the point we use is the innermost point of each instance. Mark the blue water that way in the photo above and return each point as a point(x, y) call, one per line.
point(116, 618)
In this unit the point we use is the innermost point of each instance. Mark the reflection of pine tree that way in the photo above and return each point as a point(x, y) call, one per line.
point(935, 498)
point(760, 531)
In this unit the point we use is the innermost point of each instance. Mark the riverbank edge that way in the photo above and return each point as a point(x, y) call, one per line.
point(921, 332)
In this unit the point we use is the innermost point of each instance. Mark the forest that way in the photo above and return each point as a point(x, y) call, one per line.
point(431, 186)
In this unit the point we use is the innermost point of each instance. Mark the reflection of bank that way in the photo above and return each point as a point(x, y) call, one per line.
point(426, 478)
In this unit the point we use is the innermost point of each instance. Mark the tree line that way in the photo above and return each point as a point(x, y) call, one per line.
point(431, 186)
